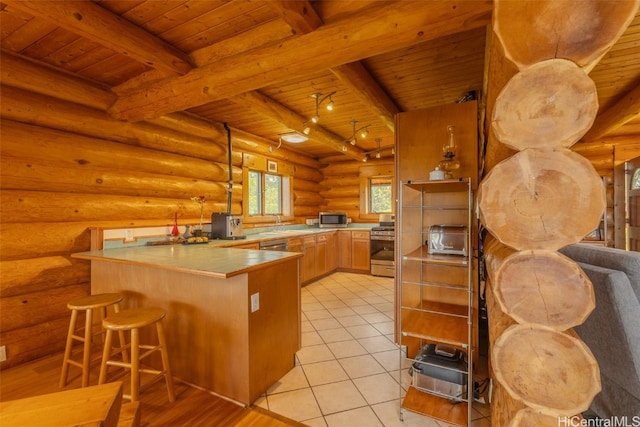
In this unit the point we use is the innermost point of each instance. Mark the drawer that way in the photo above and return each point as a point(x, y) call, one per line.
point(309, 240)
point(321, 238)
point(360, 235)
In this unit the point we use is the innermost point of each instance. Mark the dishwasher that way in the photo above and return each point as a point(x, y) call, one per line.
point(274, 245)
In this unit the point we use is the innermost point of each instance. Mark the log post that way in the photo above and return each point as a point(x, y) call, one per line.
point(547, 370)
point(535, 201)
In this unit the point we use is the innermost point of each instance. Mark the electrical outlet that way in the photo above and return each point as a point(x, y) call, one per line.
point(255, 302)
point(128, 235)
point(3, 353)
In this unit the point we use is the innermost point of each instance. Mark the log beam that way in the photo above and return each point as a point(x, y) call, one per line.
point(364, 86)
point(89, 20)
point(299, 15)
point(28, 75)
point(380, 29)
point(278, 112)
point(624, 111)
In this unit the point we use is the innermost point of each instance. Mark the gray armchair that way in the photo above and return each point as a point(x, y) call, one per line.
point(612, 331)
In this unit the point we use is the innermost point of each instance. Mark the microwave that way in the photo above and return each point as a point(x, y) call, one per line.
point(332, 220)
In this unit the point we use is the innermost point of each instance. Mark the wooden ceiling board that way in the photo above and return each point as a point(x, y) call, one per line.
point(435, 72)
point(222, 23)
point(46, 48)
point(23, 36)
point(119, 7)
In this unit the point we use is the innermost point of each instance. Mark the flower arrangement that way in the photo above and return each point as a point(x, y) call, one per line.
point(201, 201)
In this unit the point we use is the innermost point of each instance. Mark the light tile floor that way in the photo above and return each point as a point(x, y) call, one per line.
point(348, 370)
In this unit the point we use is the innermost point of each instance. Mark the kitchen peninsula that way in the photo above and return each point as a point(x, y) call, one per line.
point(217, 339)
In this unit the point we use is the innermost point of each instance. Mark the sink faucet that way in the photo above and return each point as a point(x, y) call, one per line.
point(278, 223)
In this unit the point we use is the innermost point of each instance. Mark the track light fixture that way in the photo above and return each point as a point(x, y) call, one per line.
point(377, 153)
point(319, 100)
point(364, 131)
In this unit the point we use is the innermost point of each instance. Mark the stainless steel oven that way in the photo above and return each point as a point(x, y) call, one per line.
point(383, 240)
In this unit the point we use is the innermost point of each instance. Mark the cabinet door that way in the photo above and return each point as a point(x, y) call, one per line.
point(360, 251)
point(332, 252)
point(344, 249)
point(321, 254)
point(309, 259)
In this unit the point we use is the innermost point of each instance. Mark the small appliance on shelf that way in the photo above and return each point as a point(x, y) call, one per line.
point(448, 240)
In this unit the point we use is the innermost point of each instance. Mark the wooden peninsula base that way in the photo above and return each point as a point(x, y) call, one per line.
point(215, 340)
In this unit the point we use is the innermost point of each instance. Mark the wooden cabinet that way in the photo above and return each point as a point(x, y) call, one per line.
point(255, 245)
point(321, 254)
point(436, 298)
point(309, 269)
point(332, 251)
point(360, 250)
point(353, 250)
point(344, 249)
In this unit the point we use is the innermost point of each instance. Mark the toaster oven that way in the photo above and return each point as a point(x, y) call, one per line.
point(448, 239)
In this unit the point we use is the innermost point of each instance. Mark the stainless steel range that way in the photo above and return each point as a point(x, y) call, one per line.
point(383, 240)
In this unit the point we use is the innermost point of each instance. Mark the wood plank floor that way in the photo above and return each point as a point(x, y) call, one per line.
point(192, 407)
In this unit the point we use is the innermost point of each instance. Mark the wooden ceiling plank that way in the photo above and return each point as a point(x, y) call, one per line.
point(299, 15)
point(278, 112)
point(378, 30)
point(98, 24)
point(625, 110)
point(368, 90)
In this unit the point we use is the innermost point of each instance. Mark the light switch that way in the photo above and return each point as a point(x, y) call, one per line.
point(255, 302)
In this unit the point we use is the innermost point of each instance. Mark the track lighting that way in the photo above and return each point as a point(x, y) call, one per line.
point(364, 131)
point(319, 100)
point(377, 153)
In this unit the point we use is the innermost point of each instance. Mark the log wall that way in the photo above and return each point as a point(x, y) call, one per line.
point(66, 166)
point(340, 188)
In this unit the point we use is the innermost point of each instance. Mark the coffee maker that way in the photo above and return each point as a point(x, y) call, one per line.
point(226, 226)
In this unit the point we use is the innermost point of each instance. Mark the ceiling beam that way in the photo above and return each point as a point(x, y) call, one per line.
point(87, 19)
point(266, 106)
point(624, 111)
point(379, 29)
point(299, 15)
point(365, 87)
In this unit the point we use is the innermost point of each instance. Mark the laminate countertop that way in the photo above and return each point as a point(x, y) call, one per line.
point(200, 259)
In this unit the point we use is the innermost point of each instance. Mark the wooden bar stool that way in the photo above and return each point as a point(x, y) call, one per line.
point(87, 304)
point(132, 320)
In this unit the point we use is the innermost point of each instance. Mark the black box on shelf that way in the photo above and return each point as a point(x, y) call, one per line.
point(441, 369)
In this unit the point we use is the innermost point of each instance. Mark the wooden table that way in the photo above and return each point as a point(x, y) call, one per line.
point(90, 406)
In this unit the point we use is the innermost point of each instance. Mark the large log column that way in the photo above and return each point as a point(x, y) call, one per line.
point(541, 199)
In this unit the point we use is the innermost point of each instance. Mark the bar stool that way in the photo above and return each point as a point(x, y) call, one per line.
point(132, 320)
point(87, 304)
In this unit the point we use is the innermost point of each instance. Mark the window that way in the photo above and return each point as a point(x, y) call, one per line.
point(377, 191)
point(267, 192)
point(381, 195)
point(635, 181)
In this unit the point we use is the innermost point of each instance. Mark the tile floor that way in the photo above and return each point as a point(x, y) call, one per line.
point(348, 370)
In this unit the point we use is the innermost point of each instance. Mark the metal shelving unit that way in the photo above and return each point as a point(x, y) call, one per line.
point(435, 294)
